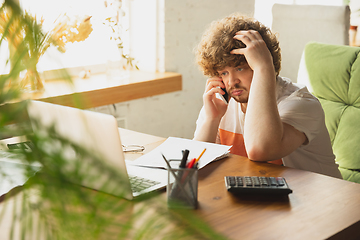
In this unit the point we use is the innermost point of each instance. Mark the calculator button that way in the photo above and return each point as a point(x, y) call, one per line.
point(232, 181)
point(263, 181)
point(280, 181)
point(239, 181)
point(248, 181)
point(256, 181)
point(273, 181)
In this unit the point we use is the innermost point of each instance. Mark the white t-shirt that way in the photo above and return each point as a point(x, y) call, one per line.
point(298, 108)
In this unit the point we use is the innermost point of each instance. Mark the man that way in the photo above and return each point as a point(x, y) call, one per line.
point(266, 117)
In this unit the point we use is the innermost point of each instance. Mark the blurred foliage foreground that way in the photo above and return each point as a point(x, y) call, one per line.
point(49, 206)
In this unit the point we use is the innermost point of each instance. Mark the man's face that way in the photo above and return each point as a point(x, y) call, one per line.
point(237, 81)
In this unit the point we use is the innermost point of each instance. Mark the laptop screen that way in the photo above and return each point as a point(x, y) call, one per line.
point(95, 132)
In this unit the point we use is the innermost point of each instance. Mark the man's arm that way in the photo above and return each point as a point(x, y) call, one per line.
point(214, 110)
point(266, 136)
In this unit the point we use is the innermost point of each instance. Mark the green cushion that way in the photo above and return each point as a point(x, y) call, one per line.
point(334, 75)
point(350, 175)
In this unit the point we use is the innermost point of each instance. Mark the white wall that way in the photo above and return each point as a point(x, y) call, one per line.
point(295, 25)
point(180, 26)
point(263, 7)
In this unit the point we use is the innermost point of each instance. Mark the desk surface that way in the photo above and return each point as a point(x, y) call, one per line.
point(320, 207)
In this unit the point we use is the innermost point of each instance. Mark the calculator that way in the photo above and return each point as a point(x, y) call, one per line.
point(257, 185)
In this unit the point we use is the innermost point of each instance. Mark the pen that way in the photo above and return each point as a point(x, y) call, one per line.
point(197, 160)
point(191, 163)
point(184, 159)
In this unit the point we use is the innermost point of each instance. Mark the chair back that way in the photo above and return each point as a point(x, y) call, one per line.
point(332, 74)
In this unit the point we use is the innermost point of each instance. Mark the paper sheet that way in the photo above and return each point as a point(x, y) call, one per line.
point(172, 149)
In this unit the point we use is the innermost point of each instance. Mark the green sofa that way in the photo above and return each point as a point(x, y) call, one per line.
point(332, 74)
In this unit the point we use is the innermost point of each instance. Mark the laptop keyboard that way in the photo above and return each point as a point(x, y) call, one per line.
point(139, 184)
point(27, 146)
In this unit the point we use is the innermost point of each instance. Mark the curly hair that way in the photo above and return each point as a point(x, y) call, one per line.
point(213, 51)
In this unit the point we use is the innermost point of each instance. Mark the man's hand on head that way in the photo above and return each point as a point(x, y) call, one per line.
point(256, 52)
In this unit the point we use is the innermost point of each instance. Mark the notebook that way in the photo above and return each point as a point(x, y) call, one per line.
point(99, 133)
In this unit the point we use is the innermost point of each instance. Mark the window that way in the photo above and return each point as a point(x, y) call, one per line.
point(97, 49)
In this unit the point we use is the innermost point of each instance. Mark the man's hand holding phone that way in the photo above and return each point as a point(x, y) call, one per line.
point(215, 108)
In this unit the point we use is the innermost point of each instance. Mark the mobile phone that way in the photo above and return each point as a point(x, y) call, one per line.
point(225, 96)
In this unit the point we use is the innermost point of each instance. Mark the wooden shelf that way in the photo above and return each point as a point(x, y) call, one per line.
point(98, 90)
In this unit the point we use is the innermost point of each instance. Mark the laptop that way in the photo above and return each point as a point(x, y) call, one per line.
point(98, 133)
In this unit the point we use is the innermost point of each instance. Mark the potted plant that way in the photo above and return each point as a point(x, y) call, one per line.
point(24, 33)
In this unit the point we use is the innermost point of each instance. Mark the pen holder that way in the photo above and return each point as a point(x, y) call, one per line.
point(182, 188)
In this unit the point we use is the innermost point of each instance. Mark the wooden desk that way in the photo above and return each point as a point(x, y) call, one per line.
point(98, 90)
point(320, 207)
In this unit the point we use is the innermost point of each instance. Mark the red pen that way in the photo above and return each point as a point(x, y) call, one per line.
point(191, 163)
point(188, 165)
